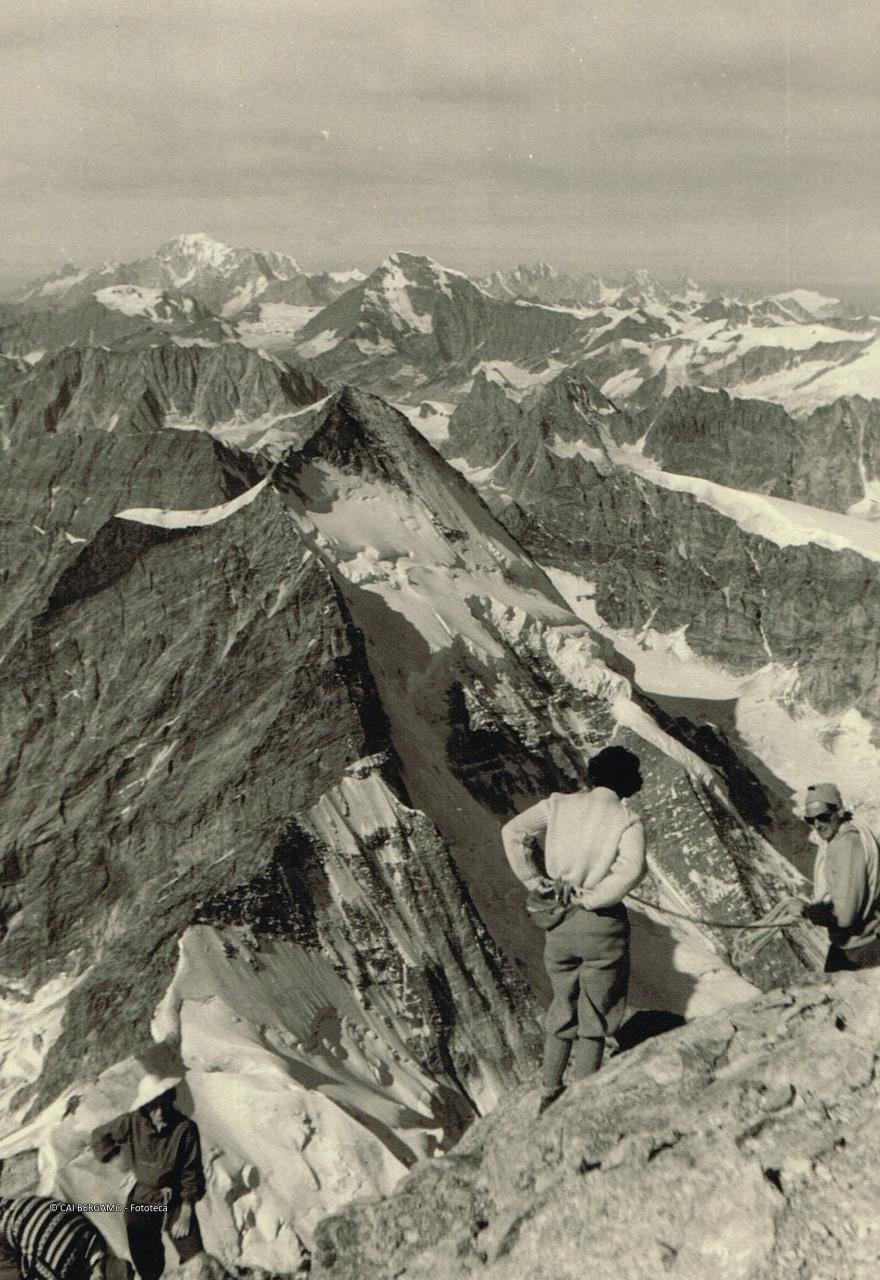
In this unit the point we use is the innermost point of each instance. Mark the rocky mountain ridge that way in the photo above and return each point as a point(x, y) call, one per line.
point(764, 1116)
point(262, 749)
point(421, 331)
point(111, 316)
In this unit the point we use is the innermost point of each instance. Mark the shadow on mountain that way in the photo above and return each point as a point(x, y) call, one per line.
point(644, 1025)
point(112, 553)
point(658, 984)
point(707, 726)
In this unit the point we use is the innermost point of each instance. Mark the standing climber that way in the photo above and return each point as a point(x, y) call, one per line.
point(43, 1239)
point(846, 881)
point(594, 854)
point(162, 1147)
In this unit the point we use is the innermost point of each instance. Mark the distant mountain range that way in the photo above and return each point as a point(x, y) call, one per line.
point(225, 280)
point(413, 330)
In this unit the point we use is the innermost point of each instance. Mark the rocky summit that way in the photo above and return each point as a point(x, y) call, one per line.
point(739, 1148)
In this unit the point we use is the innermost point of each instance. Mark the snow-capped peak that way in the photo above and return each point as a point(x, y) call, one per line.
point(640, 286)
point(196, 245)
point(353, 275)
point(408, 261)
point(816, 305)
point(642, 278)
point(404, 270)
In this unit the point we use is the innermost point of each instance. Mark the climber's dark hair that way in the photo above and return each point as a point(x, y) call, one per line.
point(617, 769)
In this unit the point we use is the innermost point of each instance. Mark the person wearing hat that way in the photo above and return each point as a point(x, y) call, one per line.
point(594, 849)
point(42, 1239)
point(163, 1152)
point(846, 881)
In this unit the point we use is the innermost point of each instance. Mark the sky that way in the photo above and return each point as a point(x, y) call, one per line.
point(737, 142)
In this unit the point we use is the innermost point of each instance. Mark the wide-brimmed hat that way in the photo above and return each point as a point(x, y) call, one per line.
point(152, 1087)
point(821, 797)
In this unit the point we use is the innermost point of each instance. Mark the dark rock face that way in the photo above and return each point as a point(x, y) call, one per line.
point(748, 444)
point(827, 460)
point(840, 455)
point(65, 488)
point(764, 1116)
point(24, 331)
point(81, 389)
point(169, 702)
point(488, 421)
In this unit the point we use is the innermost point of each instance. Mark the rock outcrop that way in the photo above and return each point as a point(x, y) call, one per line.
point(121, 315)
point(830, 459)
point(741, 1147)
point(91, 388)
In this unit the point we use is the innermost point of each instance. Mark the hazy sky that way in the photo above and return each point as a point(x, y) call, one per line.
point(737, 141)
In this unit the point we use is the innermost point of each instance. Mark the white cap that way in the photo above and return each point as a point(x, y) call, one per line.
point(822, 797)
point(152, 1087)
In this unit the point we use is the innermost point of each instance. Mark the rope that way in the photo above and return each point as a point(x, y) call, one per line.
point(765, 923)
point(743, 949)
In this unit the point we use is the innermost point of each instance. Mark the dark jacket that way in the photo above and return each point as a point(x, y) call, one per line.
point(171, 1159)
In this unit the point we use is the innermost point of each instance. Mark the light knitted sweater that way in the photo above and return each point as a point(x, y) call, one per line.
point(591, 840)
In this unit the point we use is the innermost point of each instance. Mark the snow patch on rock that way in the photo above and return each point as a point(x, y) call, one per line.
point(169, 519)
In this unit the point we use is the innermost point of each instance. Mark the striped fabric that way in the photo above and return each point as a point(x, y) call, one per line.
point(49, 1242)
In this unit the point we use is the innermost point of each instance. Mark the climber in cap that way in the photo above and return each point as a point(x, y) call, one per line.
point(594, 852)
point(162, 1147)
point(846, 881)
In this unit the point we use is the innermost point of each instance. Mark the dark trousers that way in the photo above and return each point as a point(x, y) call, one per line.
point(587, 962)
point(146, 1240)
point(838, 960)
